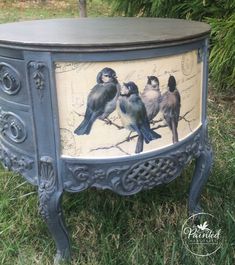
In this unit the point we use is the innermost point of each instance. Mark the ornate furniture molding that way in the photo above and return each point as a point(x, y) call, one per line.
point(50, 208)
point(47, 185)
point(38, 76)
point(11, 161)
point(132, 178)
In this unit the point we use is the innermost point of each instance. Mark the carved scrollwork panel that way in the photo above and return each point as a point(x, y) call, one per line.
point(9, 79)
point(83, 177)
point(12, 161)
point(162, 169)
point(130, 178)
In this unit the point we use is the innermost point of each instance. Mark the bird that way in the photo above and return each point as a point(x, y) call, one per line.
point(151, 98)
point(170, 107)
point(132, 113)
point(101, 101)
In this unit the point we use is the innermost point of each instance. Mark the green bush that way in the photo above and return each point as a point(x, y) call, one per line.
point(220, 14)
point(222, 55)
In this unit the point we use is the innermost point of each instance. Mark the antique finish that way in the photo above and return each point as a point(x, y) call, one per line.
point(67, 85)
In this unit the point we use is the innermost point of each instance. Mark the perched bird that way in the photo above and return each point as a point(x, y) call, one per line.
point(133, 114)
point(151, 97)
point(101, 100)
point(170, 107)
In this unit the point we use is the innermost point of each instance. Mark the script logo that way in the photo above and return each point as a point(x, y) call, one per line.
point(201, 234)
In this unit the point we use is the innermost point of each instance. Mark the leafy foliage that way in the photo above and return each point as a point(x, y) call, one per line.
point(220, 14)
point(222, 56)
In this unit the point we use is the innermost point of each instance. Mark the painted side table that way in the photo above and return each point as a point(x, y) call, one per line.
point(112, 103)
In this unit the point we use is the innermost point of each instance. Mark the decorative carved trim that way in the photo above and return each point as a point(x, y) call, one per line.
point(38, 76)
point(11, 161)
point(9, 79)
point(130, 179)
point(47, 184)
point(50, 207)
point(150, 173)
point(84, 178)
point(12, 127)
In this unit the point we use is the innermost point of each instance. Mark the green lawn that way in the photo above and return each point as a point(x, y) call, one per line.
point(108, 229)
point(12, 10)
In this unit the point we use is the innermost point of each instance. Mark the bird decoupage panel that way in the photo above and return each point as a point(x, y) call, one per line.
point(123, 108)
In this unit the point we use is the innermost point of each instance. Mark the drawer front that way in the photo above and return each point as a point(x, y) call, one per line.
point(16, 126)
point(13, 81)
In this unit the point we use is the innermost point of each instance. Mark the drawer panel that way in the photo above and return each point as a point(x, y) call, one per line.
point(13, 81)
point(16, 126)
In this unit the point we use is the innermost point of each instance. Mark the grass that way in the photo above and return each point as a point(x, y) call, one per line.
point(12, 10)
point(107, 229)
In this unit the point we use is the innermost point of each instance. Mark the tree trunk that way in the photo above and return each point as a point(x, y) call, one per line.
point(82, 8)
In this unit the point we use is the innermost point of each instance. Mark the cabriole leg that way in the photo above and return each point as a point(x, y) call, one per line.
point(50, 209)
point(201, 172)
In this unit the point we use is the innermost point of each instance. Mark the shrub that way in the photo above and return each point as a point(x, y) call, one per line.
point(220, 14)
point(222, 55)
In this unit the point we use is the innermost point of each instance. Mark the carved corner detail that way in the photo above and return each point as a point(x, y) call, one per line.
point(47, 186)
point(11, 161)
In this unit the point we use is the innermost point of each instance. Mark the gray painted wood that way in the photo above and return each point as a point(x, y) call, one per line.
point(95, 33)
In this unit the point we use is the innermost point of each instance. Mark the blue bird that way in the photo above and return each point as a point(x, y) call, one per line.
point(170, 107)
point(132, 113)
point(151, 97)
point(101, 101)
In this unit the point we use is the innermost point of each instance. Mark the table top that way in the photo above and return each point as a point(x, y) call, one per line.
point(98, 33)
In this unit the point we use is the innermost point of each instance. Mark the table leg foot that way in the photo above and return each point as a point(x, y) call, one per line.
point(62, 258)
point(201, 172)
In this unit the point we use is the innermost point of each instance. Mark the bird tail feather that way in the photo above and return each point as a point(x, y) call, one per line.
point(139, 144)
point(174, 132)
point(149, 134)
point(85, 126)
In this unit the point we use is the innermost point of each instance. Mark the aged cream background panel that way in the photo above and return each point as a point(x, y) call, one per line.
point(74, 80)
